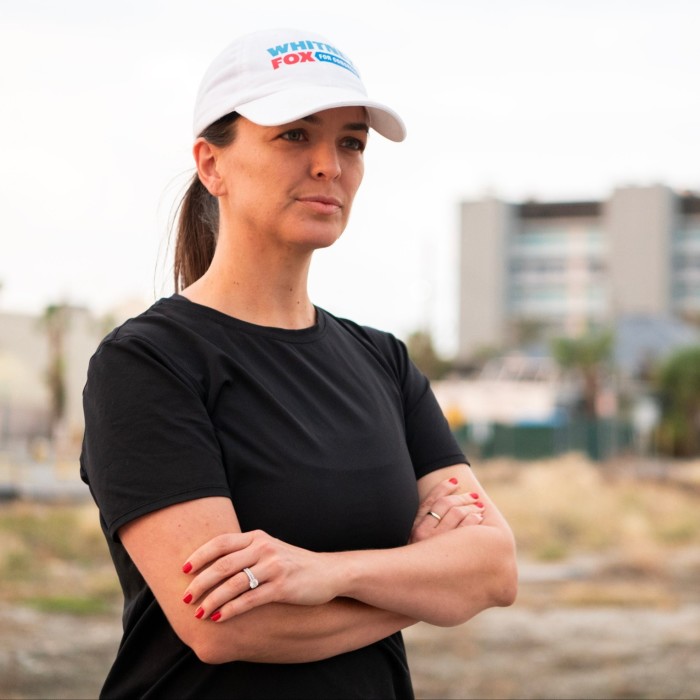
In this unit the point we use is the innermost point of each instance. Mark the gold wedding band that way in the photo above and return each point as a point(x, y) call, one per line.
point(435, 515)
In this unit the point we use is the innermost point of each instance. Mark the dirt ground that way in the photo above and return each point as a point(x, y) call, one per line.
point(562, 639)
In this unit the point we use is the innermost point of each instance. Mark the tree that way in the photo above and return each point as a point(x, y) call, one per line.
point(678, 384)
point(422, 352)
point(587, 357)
point(55, 322)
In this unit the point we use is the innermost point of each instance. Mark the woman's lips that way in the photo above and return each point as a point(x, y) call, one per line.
point(321, 204)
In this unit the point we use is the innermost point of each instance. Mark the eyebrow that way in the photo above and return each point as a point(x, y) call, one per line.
point(353, 126)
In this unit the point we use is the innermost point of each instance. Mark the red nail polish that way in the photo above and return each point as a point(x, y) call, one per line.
point(474, 495)
point(187, 568)
point(453, 480)
point(479, 504)
point(216, 616)
point(187, 599)
point(199, 613)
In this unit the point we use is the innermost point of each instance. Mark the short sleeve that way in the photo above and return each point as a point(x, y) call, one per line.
point(430, 441)
point(149, 441)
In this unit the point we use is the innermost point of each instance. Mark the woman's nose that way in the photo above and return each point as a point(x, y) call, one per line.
point(326, 162)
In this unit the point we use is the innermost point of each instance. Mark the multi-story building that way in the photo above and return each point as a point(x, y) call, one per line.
point(565, 267)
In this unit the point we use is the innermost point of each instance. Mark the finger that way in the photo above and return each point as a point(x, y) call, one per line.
point(248, 600)
point(461, 516)
point(443, 504)
point(226, 591)
point(454, 517)
point(221, 570)
point(215, 548)
point(438, 491)
point(457, 508)
point(231, 589)
point(441, 508)
point(423, 530)
point(472, 518)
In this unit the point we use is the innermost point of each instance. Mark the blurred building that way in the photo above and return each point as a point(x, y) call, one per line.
point(558, 268)
point(29, 347)
point(25, 360)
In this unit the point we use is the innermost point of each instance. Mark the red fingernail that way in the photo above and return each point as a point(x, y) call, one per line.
point(187, 568)
point(453, 480)
point(474, 495)
point(479, 504)
point(216, 616)
point(187, 599)
point(199, 613)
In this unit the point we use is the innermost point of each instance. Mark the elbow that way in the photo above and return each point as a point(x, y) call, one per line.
point(210, 649)
point(209, 654)
point(498, 587)
point(505, 585)
point(505, 581)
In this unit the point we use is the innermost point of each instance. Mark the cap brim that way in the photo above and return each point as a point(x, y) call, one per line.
point(296, 102)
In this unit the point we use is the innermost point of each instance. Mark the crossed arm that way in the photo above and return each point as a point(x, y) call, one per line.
point(312, 605)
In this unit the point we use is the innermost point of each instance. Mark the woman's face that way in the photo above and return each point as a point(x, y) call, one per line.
point(293, 185)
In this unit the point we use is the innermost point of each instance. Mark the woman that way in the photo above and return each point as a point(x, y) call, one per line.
point(279, 490)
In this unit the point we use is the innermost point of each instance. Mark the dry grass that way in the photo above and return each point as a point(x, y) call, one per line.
point(565, 506)
point(55, 556)
point(618, 594)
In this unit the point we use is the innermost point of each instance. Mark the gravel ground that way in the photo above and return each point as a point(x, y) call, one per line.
point(538, 648)
point(561, 653)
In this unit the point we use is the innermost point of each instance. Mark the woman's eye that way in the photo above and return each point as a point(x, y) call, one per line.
point(354, 144)
point(294, 135)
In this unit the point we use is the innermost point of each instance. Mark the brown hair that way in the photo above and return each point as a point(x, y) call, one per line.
point(198, 215)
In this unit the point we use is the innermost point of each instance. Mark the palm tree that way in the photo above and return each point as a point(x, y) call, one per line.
point(585, 356)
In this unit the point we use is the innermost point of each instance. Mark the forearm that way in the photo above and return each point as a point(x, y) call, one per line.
point(283, 633)
point(444, 581)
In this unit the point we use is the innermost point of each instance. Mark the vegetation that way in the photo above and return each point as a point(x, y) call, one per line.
point(586, 356)
point(567, 506)
point(678, 384)
point(422, 351)
point(55, 558)
point(72, 605)
point(55, 323)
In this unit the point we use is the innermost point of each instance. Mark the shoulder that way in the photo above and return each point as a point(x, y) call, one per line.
point(381, 343)
point(375, 336)
point(159, 322)
point(162, 335)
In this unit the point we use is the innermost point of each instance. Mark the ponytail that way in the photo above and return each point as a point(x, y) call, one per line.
point(198, 219)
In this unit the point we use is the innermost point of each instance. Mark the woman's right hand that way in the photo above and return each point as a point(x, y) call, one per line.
point(443, 510)
point(228, 568)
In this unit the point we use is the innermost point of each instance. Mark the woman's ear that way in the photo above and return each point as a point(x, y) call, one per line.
point(206, 158)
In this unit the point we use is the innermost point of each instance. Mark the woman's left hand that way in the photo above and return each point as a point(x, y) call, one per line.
point(279, 573)
point(443, 510)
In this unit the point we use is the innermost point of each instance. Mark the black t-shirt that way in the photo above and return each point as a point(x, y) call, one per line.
point(317, 435)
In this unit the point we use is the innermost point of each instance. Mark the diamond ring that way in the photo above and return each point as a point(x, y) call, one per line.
point(252, 581)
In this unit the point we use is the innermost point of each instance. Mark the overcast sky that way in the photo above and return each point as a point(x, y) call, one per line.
point(545, 99)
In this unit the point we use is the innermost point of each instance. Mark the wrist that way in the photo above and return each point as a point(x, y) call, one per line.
point(342, 567)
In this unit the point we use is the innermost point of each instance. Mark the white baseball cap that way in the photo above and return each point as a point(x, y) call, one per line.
point(277, 76)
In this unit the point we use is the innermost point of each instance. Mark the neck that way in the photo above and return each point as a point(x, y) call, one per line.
point(268, 288)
